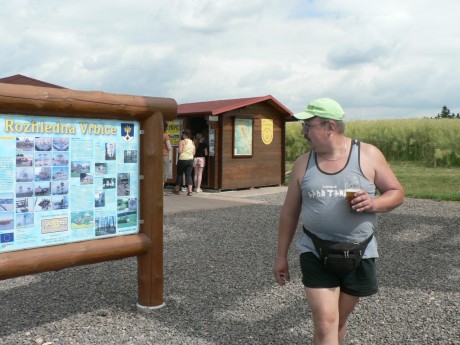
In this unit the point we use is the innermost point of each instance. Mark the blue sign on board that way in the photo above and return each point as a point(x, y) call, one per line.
point(66, 180)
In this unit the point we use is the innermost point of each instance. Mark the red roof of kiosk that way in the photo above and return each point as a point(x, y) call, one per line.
point(222, 106)
point(20, 79)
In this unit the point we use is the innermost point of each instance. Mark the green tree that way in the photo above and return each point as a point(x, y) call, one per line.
point(445, 113)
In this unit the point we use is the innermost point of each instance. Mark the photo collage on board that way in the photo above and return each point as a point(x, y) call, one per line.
point(42, 177)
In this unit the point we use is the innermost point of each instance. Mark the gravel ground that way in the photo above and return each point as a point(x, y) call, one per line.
point(219, 287)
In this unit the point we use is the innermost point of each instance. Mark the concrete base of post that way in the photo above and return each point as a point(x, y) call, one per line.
point(147, 310)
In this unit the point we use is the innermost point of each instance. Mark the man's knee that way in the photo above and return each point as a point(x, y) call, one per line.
point(327, 325)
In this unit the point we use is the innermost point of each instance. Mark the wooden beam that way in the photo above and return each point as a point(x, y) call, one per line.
point(45, 101)
point(54, 258)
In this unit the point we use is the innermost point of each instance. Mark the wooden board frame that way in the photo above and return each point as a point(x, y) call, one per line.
point(147, 245)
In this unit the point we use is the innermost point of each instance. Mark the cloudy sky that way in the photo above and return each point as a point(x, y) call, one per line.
point(379, 59)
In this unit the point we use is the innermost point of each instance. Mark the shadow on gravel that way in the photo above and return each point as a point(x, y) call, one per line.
point(52, 296)
point(219, 285)
point(221, 282)
point(418, 251)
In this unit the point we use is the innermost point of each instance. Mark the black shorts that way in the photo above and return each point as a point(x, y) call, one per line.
point(361, 282)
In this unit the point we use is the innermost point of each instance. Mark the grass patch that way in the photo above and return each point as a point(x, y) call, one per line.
point(421, 182)
point(428, 183)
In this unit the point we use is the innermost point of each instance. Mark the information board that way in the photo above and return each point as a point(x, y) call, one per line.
point(66, 180)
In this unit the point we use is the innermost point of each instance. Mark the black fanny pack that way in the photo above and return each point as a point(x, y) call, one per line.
point(339, 257)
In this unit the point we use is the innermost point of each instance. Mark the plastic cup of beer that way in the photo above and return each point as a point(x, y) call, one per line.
point(352, 185)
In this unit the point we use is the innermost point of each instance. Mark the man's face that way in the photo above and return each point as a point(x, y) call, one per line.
point(311, 128)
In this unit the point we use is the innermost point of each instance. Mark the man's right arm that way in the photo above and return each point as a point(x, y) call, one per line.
point(289, 218)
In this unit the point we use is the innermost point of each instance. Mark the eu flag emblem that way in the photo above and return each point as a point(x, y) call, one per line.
point(8, 237)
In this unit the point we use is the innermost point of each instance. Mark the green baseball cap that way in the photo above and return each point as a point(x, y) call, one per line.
point(322, 107)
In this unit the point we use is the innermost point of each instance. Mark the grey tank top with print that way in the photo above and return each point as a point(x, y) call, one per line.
point(325, 210)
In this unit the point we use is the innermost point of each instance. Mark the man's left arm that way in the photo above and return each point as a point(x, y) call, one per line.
point(391, 191)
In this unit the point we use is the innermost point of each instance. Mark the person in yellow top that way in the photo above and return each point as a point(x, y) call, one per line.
point(185, 162)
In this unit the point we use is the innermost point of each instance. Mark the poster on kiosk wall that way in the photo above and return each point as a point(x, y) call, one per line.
point(66, 180)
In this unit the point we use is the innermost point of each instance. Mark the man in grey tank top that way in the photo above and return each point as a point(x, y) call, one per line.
point(317, 194)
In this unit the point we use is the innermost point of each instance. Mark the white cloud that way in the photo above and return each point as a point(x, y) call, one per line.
point(381, 59)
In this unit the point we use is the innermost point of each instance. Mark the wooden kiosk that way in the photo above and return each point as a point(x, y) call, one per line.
point(246, 139)
point(59, 104)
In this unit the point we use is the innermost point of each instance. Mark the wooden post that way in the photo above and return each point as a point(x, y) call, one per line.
point(148, 244)
point(150, 264)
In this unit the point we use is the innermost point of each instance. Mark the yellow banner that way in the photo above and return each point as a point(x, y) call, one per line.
point(267, 131)
point(173, 131)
